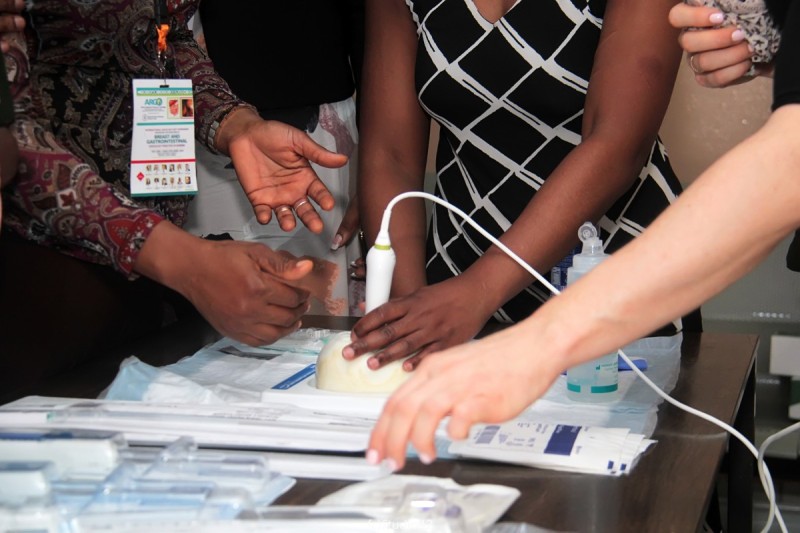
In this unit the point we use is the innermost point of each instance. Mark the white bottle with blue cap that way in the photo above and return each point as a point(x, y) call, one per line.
point(597, 380)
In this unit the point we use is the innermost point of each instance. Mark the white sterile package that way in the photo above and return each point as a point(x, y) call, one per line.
point(603, 438)
point(470, 508)
point(138, 381)
point(275, 426)
point(231, 372)
point(285, 375)
point(305, 341)
point(610, 451)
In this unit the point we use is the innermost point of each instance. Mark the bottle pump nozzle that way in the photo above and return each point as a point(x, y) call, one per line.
point(590, 239)
point(591, 252)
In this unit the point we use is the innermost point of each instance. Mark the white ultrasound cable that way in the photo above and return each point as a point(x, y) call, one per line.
point(381, 260)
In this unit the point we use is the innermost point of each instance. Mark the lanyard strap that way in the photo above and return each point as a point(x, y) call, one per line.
point(162, 31)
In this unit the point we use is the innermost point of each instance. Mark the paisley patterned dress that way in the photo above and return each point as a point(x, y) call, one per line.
point(71, 82)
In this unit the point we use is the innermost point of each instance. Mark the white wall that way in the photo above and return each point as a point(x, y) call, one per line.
point(700, 126)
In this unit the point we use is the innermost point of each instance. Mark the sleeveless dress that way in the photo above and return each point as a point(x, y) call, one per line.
point(509, 98)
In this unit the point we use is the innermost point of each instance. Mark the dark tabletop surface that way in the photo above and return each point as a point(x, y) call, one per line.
point(668, 490)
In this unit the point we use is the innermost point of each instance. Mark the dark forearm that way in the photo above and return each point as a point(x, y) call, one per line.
point(379, 182)
point(629, 90)
point(394, 133)
point(546, 230)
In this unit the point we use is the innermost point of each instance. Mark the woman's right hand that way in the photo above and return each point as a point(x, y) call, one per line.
point(718, 56)
point(245, 290)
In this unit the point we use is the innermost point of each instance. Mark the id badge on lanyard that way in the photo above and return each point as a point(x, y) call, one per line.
point(162, 153)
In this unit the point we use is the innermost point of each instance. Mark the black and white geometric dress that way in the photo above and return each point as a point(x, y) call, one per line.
point(509, 98)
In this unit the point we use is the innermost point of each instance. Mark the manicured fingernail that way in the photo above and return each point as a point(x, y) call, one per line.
point(425, 459)
point(390, 464)
point(372, 457)
point(337, 242)
point(716, 18)
point(737, 36)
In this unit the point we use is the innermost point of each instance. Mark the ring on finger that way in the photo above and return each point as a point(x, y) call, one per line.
point(692, 65)
point(299, 204)
point(282, 209)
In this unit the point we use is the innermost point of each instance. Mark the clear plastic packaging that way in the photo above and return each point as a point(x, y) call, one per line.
point(183, 461)
point(178, 483)
point(23, 481)
point(418, 501)
point(84, 454)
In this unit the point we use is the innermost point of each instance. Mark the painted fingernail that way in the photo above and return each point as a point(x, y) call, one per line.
point(425, 459)
point(716, 18)
point(372, 457)
point(737, 36)
point(337, 241)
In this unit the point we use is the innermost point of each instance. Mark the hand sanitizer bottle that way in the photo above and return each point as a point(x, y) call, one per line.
point(598, 380)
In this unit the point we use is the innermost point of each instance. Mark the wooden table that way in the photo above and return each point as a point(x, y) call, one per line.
point(669, 490)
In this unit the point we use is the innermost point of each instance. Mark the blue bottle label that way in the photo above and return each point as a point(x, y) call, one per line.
point(558, 274)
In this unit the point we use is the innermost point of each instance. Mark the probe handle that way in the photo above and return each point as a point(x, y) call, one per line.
point(380, 268)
